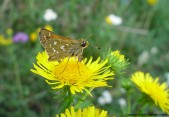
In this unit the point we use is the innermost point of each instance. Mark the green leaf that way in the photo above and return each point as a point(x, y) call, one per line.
point(83, 104)
point(66, 103)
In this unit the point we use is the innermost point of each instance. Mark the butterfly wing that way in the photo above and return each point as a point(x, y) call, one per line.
point(46, 34)
point(58, 47)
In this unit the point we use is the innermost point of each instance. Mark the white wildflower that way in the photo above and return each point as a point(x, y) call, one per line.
point(143, 58)
point(154, 50)
point(113, 19)
point(122, 102)
point(105, 98)
point(50, 15)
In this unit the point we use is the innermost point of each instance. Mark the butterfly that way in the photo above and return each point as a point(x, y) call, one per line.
point(59, 47)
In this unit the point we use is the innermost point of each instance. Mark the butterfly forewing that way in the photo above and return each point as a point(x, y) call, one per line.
point(59, 47)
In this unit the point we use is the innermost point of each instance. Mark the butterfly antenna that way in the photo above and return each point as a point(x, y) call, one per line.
point(88, 36)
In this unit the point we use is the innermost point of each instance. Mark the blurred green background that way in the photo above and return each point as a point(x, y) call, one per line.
point(142, 36)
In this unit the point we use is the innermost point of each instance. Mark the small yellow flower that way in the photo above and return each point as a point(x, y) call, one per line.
point(118, 55)
point(108, 20)
point(4, 41)
point(69, 72)
point(33, 36)
point(118, 62)
point(38, 30)
point(9, 31)
point(151, 87)
point(48, 27)
point(86, 112)
point(152, 2)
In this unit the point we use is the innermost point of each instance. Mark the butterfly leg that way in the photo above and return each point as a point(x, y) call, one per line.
point(65, 65)
point(78, 66)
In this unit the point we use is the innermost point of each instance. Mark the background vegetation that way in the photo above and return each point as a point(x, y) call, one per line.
point(142, 36)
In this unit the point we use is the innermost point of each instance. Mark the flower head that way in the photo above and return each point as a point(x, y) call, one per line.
point(4, 41)
point(49, 27)
point(9, 31)
point(151, 87)
point(33, 36)
point(49, 15)
point(86, 112)
point(118, 62)
point(113, 19)
point(69, 72)
point(106, 98)
point(152, 2)
point(20, 37)
point(122, 102)
point(143, 58)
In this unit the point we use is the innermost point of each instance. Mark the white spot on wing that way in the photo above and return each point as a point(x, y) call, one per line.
point(67, 44)
point(54, 50)
point(55, 43)
point(49, 34)
point(62, 48)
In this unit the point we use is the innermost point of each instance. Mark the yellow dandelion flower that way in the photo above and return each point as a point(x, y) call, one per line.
point(86, 112)
point(151, 87)
point(108, 20)
point(4, 41)
point(48, 27)
point(69, 72)
point(152, 2)
point(118, 62)
point(9, 31)
point(38, 30)
point(33, 36)
point(118, 55)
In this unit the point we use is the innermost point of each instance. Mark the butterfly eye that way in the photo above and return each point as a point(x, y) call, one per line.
point(83, 44)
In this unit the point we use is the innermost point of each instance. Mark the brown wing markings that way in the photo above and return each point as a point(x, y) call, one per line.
point(55, 52)
point(44, 32)
point(48, 40)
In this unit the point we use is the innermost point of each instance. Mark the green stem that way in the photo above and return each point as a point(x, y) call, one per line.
point(129, 104)
point(18, 80)
point(16, 72)
point(83, 98)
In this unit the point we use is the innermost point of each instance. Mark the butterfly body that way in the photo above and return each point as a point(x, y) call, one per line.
point(59, 47)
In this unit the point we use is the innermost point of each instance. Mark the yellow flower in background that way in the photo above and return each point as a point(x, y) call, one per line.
point(118, 55)
point(152, 2)
point(38, 30)
point(151, 87)
point(86, 112)
point(4, 41)
point(78, 76)
point(48, 27)
point(118, 62)
point(9, 31)
point(33, 36)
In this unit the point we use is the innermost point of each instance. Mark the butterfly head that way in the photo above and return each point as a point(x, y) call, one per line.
point(84, 43)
